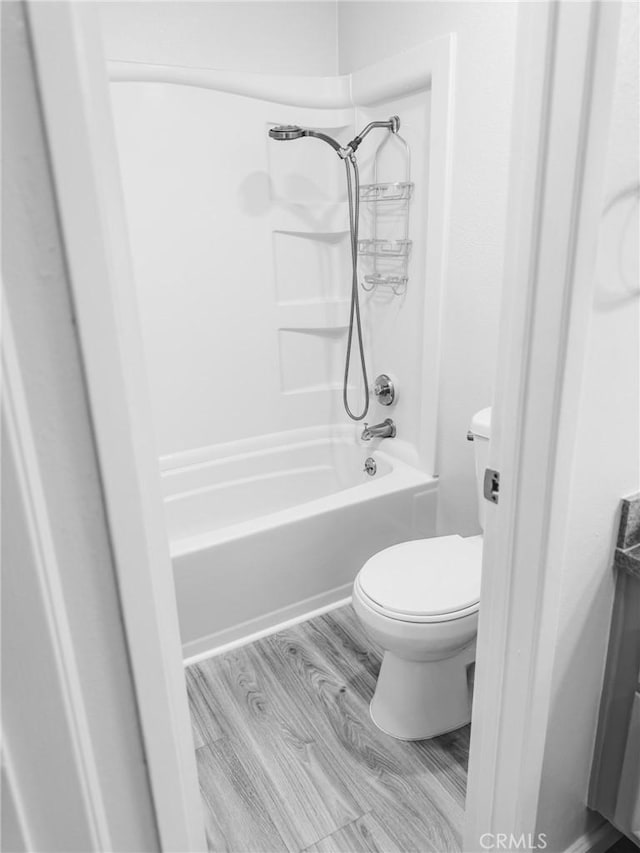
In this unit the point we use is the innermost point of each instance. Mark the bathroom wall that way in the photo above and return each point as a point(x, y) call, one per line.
point(606, 466)
point(217, 370)
point(265, 38)
point(241, 262)
point(485, 34)
point(241, 254)
point(202, 183)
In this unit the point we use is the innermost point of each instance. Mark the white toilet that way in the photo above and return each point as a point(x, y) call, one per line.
point(419, 601)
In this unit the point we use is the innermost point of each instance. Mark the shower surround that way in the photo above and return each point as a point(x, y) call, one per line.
point(241, 254)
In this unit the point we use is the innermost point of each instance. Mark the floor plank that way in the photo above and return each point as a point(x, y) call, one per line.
point(290, 714)
point(243, 823)
point(347, 654)
point(365, 835)
point(204, 708)
point(313, 798)
point(419, 778)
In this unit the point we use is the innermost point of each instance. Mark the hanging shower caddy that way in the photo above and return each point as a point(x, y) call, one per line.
point(388, 248)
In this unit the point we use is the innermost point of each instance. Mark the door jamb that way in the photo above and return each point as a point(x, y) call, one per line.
point(566, 58)
point(73, 89)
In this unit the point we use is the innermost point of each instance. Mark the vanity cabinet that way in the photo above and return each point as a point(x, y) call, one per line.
point(615, 782)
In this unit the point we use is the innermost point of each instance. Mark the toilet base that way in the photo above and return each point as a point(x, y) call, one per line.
point(417, 700)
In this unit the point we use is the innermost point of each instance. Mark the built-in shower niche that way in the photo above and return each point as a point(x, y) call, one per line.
point(307, 171)
point(311, 267)
point(311, 359)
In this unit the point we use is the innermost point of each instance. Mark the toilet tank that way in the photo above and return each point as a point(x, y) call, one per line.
point(481, 431)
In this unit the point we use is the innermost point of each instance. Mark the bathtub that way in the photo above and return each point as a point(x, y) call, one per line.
point(266, 530)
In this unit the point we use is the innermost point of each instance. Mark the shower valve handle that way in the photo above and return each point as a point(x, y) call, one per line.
point(384, 389)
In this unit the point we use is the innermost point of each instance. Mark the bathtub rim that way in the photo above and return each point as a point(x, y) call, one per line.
point(400, 477)
point(172, 463)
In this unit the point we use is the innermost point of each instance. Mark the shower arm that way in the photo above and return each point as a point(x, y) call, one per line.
point(392, 124)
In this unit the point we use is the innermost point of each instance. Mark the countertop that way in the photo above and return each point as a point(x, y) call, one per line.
point(627, 554)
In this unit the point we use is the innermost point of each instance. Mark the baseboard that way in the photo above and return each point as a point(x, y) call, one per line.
point(596, 840)
point(263, 626)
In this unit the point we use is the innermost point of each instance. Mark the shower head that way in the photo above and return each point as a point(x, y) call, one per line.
point(284, 132)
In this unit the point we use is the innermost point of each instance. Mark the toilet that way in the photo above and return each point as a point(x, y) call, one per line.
point(419, 601)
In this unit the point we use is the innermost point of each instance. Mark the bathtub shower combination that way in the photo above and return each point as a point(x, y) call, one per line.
point(251, 302)
point(296, 512)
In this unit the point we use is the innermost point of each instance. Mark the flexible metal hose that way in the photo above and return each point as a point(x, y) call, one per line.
point(354, 211)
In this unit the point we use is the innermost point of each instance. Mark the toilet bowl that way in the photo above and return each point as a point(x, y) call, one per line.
point(419, 602)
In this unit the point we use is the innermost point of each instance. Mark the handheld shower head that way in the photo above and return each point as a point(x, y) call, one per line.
point(284, 132)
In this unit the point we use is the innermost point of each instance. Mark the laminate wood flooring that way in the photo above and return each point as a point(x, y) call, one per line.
point(289, 759)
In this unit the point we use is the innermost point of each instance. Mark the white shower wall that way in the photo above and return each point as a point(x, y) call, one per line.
point(272, 363)
point(242, 302)
point(242, 262)
point(485, 63)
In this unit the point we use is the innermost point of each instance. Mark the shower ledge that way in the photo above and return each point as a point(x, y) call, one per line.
point(309, 218)
point(313, 315)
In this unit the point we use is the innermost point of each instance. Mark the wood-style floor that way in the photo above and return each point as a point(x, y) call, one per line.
point(290, 760)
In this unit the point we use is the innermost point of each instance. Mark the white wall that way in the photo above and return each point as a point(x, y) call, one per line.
point(188, 341)
point(242, 264)
point(242, 278)
point(265, 38)
point(65, 493)
point(485, 63)
point(606, 466)
point(200, 203)
point(241, 255)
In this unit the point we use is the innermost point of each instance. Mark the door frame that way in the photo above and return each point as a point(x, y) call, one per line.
point(565, 65)
point(565, 75)
point(73, 89)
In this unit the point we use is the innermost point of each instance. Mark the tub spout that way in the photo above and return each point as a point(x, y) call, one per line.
point(387, 429)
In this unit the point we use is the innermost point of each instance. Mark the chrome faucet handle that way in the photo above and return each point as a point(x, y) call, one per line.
point(384, 389)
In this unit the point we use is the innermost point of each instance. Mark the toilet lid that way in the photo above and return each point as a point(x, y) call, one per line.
point(426, 577)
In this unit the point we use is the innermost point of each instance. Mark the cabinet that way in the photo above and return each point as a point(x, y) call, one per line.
point(615, 781)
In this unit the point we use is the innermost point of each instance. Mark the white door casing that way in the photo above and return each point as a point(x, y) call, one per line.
point(73, 89)
point(564, 79)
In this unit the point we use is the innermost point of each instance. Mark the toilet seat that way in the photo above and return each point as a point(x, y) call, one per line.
point(426, 580)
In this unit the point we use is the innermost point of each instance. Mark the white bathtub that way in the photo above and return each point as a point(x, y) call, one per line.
point(265, 530)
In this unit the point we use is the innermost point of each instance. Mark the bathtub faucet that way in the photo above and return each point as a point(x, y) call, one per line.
point(387, 429)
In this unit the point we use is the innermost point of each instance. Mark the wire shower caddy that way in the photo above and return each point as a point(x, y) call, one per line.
point(388, 254)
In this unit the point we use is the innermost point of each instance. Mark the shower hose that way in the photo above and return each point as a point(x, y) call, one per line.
point(354, 211)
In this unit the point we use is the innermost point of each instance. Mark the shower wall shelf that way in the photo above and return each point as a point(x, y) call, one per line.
point(388, 247)
point(385, 248)
point(394, 281)
point(396, 191)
